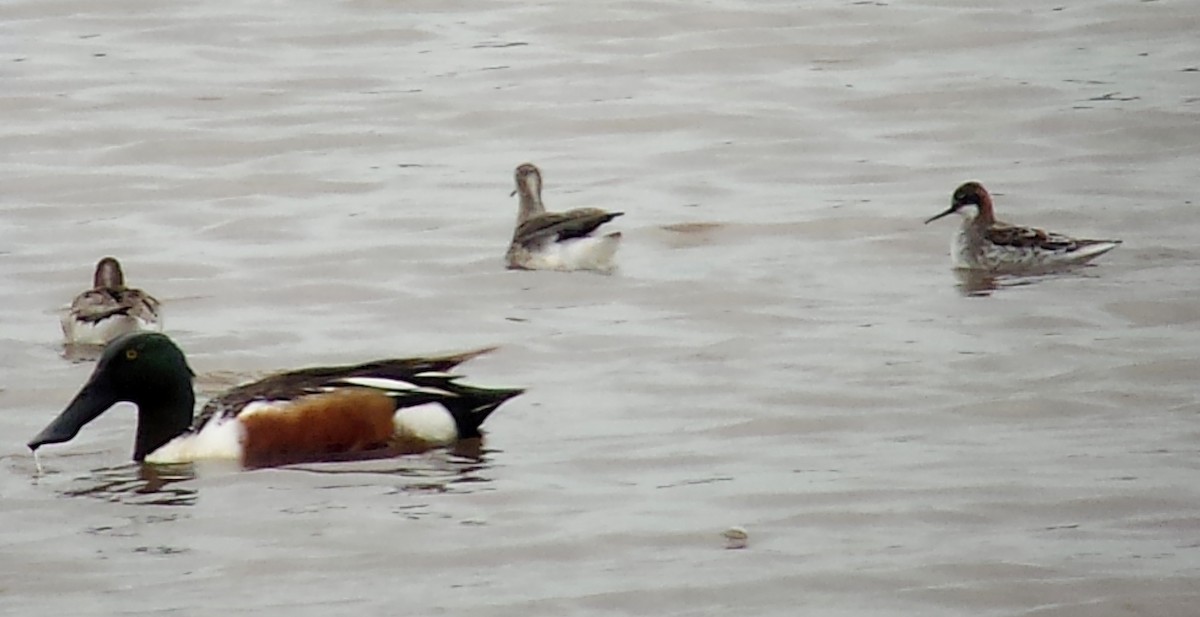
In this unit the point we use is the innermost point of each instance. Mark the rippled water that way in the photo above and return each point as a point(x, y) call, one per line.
point(784, 348)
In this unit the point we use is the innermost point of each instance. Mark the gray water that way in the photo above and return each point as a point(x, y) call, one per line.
point(784, 347)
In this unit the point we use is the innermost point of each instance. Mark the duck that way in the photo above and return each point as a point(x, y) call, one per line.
point(109, 309)
point(404, 405)
point(986, 244)
point(561, 241)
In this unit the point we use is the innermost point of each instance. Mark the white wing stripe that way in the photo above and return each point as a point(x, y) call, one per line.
point(390, 385)
point(380, 383)
point(436, 392)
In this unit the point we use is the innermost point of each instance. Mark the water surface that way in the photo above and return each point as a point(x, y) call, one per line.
point(784, 347)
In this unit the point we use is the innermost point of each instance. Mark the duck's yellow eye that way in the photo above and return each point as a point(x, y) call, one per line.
point(131, 354)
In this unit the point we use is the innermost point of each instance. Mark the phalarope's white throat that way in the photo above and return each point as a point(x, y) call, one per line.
point(109, 309)
point(983, 243)
point(557, 240)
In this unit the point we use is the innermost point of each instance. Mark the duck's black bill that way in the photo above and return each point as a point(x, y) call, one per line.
point(94, 399)
point(938, 216)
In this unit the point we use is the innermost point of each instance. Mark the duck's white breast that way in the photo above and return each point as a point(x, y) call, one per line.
point(219, 439)
point(101, 332)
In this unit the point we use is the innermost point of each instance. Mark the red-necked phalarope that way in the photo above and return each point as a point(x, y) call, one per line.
point(557, 240)
point(983, 243)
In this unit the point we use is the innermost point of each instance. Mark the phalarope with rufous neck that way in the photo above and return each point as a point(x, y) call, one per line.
point(983, 243)
point(557, 240)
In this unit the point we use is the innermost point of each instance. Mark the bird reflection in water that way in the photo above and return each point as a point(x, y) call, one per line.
point(459, 468)
point(76, 353)
point(139, 484)
point(980, 283)
point(976, 282)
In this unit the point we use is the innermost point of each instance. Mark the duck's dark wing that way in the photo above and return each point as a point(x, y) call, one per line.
point(416, 381)
point(96, 305)
point(561, 226)
point(141, 304)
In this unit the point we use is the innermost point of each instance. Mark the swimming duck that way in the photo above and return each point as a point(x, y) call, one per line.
point(557, 240)
point(983, 243)
point(406, 405)
point(109, 309)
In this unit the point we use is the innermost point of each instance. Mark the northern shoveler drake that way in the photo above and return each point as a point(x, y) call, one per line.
point(557, 240)
point(983, 243)
point(109, 309)
point(402, 405)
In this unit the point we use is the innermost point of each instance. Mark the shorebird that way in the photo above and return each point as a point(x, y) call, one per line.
point(983, 243)
point(389, 406)
point(557, 240)
point(109, 309)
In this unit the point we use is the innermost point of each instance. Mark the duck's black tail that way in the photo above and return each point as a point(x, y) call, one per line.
point(474, 404)
point(469, 405)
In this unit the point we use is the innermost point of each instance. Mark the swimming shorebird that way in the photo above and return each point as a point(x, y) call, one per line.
point(557, 240)
point(983, 243)
point(389, 406)
point(109, 309)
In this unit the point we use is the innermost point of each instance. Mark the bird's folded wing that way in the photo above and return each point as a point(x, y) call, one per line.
point(562, 225)
point(1029, 237)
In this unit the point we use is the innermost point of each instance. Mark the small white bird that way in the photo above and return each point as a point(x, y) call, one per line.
point(983, 243)
point(557, 240)
point(109, 309)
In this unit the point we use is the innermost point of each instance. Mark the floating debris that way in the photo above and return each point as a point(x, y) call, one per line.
point(736, 537)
